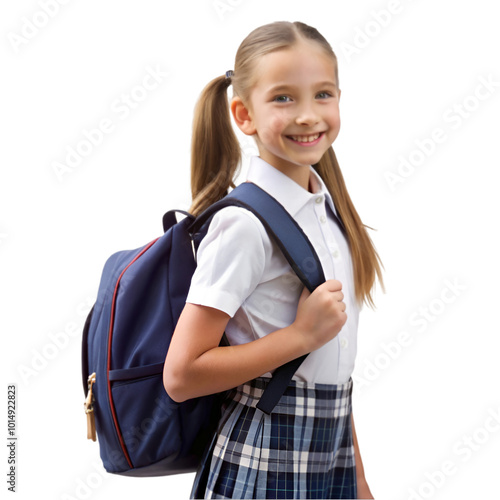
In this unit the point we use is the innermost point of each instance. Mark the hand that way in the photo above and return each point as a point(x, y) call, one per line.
point(321, 314)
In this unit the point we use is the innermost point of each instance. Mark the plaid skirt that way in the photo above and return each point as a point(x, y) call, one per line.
point(304, 449)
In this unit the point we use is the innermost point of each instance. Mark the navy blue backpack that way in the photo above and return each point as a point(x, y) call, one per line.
point(141, 430)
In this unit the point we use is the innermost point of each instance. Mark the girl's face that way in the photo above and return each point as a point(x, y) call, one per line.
point(294, 106)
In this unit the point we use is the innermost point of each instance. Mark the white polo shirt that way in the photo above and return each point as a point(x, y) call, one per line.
point(243, 273)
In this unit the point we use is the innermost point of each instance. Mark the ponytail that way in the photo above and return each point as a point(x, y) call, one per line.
point(215, 150)
point(365, 259)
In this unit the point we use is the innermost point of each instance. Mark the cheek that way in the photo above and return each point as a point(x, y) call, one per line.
point(334, 117)
point(278, 123)
point(336, 122)
point(333, 122)
point(272, 128)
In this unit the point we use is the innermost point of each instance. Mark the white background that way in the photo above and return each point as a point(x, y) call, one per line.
point(428, 402)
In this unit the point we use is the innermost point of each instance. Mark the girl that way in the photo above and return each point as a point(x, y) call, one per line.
point(286, 95)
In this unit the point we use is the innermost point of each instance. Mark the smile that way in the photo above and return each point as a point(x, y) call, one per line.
point(306, 139)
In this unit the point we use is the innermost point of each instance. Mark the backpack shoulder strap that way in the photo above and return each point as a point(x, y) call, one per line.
point(296, 248)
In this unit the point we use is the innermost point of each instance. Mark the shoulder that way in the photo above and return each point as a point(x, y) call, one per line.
point(240, 216)
point(235, 240)
point(239, 225)
point(231, 260)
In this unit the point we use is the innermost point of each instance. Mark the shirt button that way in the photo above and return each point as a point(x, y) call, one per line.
point(319, 200)
point(322, 219)
point(344, 343)
point(335, 254)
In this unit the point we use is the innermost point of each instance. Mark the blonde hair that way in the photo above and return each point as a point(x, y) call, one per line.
point(216, 152)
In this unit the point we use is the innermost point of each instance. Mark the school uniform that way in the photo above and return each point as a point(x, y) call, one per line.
point(304, 449)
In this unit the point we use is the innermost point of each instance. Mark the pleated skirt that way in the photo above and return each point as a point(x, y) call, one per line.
point(304, 449)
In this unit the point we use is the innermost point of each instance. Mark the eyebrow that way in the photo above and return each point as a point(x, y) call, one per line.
point(284, 86)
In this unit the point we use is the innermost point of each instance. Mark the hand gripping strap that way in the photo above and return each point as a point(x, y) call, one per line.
point(296, 248)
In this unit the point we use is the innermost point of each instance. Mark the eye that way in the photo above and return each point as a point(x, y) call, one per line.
point(281, 98)
point(323, 95)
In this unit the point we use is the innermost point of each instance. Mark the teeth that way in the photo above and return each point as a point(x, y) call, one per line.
point(305, 138)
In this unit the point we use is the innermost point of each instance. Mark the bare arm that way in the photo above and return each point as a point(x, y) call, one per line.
point(363, 488)
point(196, 366)
point(202, 367)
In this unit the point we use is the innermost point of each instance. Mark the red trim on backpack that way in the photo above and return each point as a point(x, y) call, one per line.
point(110, 339)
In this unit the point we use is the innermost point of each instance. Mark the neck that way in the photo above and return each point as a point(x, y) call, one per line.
point(298, 173)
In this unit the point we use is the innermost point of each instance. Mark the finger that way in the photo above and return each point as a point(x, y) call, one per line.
point(303, 296)
point(332, 285)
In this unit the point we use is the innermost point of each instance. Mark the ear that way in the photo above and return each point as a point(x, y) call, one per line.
point(339, 91)
point(242, 116)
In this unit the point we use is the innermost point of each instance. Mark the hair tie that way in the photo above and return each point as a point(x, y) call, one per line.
point(229, 74)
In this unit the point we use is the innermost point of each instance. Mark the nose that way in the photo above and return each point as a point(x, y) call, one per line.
point(307, 115)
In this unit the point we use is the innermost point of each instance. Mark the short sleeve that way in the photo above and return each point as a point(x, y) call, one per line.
point(230, 260)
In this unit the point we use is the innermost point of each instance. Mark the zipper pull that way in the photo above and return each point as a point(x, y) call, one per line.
point(89, 409)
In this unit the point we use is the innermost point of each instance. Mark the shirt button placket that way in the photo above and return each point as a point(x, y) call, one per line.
point(327, 235)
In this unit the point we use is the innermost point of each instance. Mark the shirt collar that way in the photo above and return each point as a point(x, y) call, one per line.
point(290, 194)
